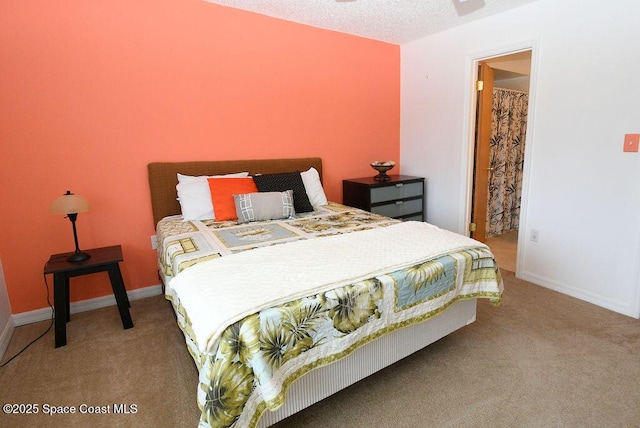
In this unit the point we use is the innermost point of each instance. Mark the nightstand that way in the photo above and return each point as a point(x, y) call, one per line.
point(101, 260)
point(401, 197)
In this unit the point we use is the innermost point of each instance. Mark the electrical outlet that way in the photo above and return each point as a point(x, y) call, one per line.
point(534, 235)
point(154, 242)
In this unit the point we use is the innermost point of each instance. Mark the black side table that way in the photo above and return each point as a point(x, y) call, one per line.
point(401, 196)
point(102, 259)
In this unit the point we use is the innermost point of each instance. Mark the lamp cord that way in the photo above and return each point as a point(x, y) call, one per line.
point(45, 332)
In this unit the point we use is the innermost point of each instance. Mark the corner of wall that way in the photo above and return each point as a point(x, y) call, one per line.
point(5, 337)
point(7, 325)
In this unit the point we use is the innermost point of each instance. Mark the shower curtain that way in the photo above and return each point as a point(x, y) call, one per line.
point(508, 129)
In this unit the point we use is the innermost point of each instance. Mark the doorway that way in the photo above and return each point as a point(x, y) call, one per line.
point(500, 137)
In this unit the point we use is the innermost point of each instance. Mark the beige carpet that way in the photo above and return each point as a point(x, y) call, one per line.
point(541, 359)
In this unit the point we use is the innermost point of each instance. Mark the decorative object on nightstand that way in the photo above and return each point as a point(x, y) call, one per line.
point(70, 205)
point(382, 168)
point(104, 259)
point(400, 196)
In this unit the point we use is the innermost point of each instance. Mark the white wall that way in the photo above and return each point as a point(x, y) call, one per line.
point(583, 192)
point(6, 321)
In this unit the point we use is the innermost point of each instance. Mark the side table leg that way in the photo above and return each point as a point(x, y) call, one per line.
point(67, 297)
point(120, 293)
point(60, 301)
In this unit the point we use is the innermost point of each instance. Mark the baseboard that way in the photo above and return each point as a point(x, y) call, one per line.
point(5, 337)
point(85, 305)
point(598, 300)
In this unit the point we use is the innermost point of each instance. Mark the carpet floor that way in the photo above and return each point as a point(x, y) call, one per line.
point(540, 359)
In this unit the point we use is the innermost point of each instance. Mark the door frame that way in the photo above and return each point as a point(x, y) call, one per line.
point(481, 161)
point(469, 131)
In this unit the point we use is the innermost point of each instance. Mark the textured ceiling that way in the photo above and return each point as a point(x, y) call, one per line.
point(392, 21)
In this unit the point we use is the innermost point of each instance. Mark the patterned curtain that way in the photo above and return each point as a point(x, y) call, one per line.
point(508, 129)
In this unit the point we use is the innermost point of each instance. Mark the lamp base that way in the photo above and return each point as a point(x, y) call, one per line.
point(78, 256)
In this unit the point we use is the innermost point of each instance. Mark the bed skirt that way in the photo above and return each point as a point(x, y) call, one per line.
point(382, 352)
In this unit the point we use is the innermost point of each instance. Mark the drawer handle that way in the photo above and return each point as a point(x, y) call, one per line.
point(399, 202)
point(399, 184)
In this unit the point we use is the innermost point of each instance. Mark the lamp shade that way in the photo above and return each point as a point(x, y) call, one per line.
point(69, 204)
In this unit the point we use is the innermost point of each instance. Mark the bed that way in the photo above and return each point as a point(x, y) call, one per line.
point(280, 313)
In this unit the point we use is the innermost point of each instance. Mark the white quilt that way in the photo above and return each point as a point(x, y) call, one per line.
point(219, 292)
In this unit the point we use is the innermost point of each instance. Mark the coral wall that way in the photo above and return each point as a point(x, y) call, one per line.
point(92, 91)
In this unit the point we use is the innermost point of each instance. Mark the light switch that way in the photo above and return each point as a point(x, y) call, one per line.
point(631, 142)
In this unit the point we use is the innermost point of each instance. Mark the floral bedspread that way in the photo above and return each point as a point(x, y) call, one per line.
point(258, 357)
point(273, 348)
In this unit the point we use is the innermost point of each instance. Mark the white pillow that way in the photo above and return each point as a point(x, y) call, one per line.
point(312, 185)
point(195, 197)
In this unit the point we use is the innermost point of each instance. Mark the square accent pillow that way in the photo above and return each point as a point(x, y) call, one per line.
point(264, 206)
point(195, 198)
point(313, 186)
point(286, 181)
point(222, 191)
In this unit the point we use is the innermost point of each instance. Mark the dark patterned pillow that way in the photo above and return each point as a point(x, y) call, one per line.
point(283, 182)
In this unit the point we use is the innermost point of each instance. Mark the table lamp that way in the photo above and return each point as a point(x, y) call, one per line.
point(70, 205)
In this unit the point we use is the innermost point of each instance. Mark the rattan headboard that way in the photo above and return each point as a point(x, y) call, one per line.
point(163, 176)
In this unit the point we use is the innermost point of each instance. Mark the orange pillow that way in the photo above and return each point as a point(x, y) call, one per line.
point(222, 191)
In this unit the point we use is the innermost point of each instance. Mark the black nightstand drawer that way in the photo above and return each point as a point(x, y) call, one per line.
point(399, 209)
point(396, 191)
point(400, 197)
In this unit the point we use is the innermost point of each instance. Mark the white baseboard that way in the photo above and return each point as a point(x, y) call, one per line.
point(84, 305)
point(598, 300)
point(5, 337)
